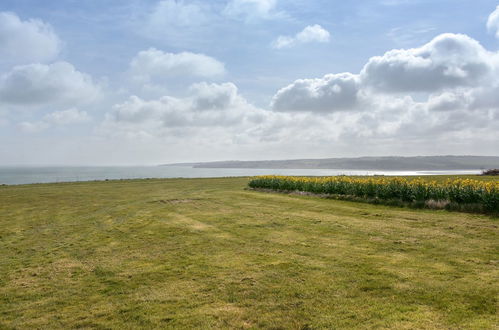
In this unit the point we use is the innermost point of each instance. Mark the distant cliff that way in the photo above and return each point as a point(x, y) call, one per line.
point(419, 163)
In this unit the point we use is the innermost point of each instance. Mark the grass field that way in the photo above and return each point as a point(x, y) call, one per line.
point(206, 253)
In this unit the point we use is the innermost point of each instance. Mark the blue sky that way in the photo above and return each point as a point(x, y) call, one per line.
point(145, 82)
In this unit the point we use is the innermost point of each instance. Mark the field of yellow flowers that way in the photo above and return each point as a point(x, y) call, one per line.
point(480, 194)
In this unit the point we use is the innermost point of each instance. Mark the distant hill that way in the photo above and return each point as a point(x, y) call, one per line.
point(419, 163)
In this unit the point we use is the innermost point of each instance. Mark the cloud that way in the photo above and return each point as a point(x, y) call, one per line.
point(334, 92)
point(312, 33)
point(486, 97)
point(493, 22)
point(55, 119)
point(449, 101)
point(410, 34)
point(40, 84)
point(444, 121)
point(445, 91)
point(26, 41)
point(448, 61)
point(451, 70)
point(215, 96)
point(67, 117)
point(213, 116)
point(388, 123)
point(251, 9)
point(207, 105)
point(358, 113)
point(179, 23)
point(156, 65)
point(35, 127)
point(180, 14)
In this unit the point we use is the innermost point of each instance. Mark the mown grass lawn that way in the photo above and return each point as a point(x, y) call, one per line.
point(205, 253)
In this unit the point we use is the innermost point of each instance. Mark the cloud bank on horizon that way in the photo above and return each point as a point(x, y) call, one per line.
point(195, 81)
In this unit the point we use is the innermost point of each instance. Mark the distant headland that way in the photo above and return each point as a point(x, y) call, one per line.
point(417, 163)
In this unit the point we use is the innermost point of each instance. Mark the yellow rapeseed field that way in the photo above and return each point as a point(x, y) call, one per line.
point(458, 191)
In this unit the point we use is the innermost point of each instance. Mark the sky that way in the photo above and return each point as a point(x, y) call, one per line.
point(129, 82)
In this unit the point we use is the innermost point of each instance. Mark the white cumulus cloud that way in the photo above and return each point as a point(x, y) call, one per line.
point(445, 91)
point(334, 92)
point(26, 41)
point(39, 84)
point(448, 61)
point(453, 71)
point(493, 22)
point(207, 105)
point(312, 33)
point(154, 64)
point(215, 96)
point(386, 107)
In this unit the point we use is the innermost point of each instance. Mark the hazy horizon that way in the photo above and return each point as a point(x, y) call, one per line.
point(222, 161)
point(176, 81)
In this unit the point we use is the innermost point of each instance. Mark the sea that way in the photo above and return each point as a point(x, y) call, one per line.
point(11, 175)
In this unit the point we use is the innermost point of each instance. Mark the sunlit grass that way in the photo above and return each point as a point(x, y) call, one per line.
point(206, 253)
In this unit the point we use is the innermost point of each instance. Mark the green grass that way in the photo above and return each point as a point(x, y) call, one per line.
point(205, 253)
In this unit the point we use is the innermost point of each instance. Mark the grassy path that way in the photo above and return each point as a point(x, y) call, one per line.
point(201, 253)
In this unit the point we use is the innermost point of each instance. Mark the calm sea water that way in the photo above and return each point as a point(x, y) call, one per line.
point(25, 175)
